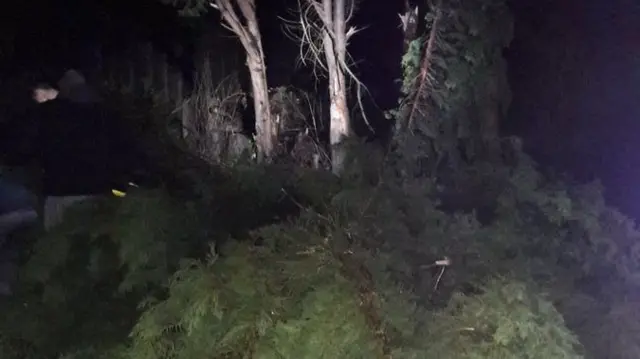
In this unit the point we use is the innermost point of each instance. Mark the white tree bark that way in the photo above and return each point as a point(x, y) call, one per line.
point(335, 50)
point(249, 36)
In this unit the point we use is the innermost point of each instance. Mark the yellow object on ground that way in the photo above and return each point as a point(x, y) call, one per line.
point(118, 193)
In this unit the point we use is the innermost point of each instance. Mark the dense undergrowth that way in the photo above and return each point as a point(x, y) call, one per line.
point(245, 261)
point(282, 263)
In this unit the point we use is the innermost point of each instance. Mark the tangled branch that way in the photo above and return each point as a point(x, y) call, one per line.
point(215, 112)
point(307, 30)
point(233, 23)
point(315, 23)
point(425, 78)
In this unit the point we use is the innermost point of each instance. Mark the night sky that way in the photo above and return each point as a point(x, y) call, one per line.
point(575, 74)
point(574, 67)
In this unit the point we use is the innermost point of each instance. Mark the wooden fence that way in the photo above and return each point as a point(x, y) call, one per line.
point(209, 112)
point(142, 71)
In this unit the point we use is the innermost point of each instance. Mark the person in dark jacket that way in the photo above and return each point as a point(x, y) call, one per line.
point(82, 148)
point(72, 86)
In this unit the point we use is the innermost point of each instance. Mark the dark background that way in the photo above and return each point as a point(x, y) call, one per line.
point(574, 67)
point(575, 74)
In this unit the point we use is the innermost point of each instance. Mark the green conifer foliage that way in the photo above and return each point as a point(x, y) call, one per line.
point(454, 83)
point(506, 321)
point(308, 266)
point(284, 299)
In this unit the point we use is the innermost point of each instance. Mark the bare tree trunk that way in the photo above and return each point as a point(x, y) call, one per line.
point(322, 32)
point(265, 126)
point(251, 40)
point(422, 83)
point(335, 49)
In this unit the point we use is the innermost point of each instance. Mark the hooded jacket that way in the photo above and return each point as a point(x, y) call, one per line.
point(82, 149)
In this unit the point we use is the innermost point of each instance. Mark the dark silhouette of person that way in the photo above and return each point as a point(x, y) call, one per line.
point(72, 86)
point(82, 147)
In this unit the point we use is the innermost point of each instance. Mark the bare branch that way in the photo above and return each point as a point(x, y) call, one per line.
point(425, 79)
point(307, 30)
point(322, 32)
point(233, 23)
